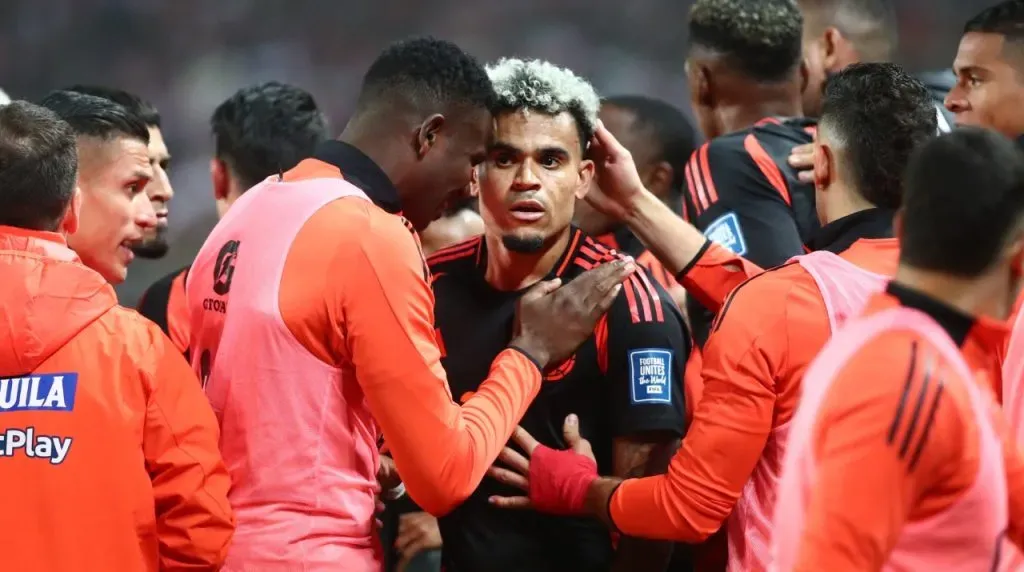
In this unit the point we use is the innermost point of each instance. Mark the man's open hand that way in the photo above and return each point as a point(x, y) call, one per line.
point(556, 481)
point(417, 531)
point(801, 158)
point(618, 182)
point(553, 321)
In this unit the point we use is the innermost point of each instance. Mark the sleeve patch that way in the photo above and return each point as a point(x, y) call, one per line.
point(725, 230)
point(650, 372)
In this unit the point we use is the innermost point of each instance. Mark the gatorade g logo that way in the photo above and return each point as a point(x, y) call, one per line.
point(225, 267)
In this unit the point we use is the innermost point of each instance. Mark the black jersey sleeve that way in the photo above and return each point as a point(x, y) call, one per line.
point(738, 197)
point(646, 351)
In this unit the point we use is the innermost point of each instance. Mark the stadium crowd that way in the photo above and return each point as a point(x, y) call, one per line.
point(502, 322)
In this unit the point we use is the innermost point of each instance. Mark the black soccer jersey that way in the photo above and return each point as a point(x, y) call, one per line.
point(742, 194)
point(624, 380)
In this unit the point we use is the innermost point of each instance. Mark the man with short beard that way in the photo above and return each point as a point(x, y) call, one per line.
point(625, 382)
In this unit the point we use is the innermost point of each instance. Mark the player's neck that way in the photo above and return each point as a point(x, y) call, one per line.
point(745, 111)
point(843, 201)
point(510, 271)
point(379, 149)
point(988, 295)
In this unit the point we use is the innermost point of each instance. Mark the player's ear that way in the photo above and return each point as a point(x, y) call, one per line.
point(659, 179)
point(586, 175)
point(428, 133)
point(220, 179)
point(830, 41)
point(699, 77)
point(805, 75)
point(69, 224)
point(824, 166)
point(1015, 252)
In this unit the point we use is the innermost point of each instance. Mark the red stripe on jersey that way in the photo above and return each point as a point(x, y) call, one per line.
point(691, 187)
point(583, 263)
point(601, 341)
point(634, 313)
point(608, 253)
point(709, 182)
point(694, 165)
point(655, 298)
point(644, 296)
point(590, 252)
point(767, 120)
point(767, 166)
point(455, 252)
point(572, 248)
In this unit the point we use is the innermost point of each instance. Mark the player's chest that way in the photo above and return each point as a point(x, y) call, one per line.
point(472, 332)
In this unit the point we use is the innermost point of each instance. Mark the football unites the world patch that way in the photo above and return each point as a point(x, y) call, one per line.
point(650, 375)
point(725, 231)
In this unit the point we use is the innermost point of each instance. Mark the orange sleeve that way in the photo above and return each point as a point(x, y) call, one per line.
point(890, 413)
point(714, 273)
point(190, 483)
point(177, 314)
point(1013, 460)
point(441, 450)
point(731, 425)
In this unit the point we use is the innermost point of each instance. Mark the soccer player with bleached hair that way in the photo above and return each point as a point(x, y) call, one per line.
point(624, 384)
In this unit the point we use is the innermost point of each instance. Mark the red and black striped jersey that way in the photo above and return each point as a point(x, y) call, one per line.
point(742, 194)
point(624, 380)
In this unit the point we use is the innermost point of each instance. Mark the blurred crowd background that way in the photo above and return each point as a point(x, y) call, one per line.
point(186, 56)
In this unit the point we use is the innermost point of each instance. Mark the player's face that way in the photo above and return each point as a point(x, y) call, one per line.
point(989, 91)
point(115, 211)
point(814, 59)
point(160, 193)
point(702, 99)
point(446, 169)
point(531, 179)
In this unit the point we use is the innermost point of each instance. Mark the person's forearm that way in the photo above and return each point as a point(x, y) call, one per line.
point(673, 241)
point(442, 450)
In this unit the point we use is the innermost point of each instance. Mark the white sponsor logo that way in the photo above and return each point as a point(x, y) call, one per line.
point(25, 441)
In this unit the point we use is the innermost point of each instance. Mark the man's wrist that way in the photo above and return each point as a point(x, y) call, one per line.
point(599, 496)
point(539, 356)
point(637, 214)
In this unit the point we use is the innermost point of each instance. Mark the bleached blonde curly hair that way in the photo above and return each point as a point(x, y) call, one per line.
point(542, 86)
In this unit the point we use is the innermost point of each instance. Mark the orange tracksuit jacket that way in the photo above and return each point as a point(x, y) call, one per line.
point(108, 446)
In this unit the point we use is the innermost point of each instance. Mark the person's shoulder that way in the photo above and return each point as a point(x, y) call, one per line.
point(457, 259)
point(895, 370)
point(139, 337)
point(353, 224)
point(766, 294)
point(787, 130)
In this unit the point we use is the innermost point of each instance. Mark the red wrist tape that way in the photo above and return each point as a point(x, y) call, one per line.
point(559, 480)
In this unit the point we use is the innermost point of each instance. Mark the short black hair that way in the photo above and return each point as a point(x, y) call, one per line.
point(426, 71)
point(760, 38)
point(880, 114)
point(266, 129)
point(1005, 19)
point(135, 104)
point(871, 25)
point(672, 131)
point(964, 202)
point(38, 166)
point(93, 116)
